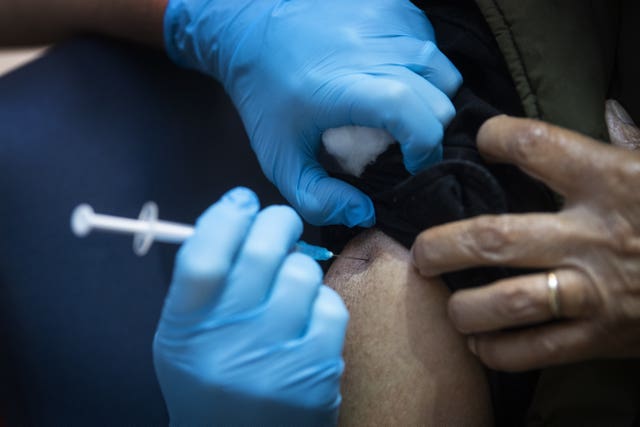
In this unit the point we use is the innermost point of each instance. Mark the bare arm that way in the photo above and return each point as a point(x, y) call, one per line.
point(405, 363)
point(25, 22)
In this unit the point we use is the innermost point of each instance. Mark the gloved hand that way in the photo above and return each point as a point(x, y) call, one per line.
point(248, 334)
point(297, 68)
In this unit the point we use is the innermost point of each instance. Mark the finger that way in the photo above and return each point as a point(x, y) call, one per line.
point(397, 105)
point(438, 101)
point(204, 260)
point(322, 200)
point(274, 232)
point(565, 160)
point(421, 57)
point(316, 357)
point(292, 299)
point(525, 240)
point(328, 325)
point(430, 63)
point(521, 300)
point(552, 344)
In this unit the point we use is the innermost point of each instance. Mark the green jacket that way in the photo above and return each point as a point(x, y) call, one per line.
point(568, 56)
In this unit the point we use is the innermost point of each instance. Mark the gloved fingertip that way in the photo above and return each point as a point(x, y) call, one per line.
point(235, 204)
point(360, 212)
point(451, 85)
point(242, 197)
point(434, 156)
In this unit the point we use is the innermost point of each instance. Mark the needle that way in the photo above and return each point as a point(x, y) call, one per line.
point(350, 257)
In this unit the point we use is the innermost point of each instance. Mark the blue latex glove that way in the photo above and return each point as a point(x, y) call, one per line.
point(297, 68)
point(248, 333)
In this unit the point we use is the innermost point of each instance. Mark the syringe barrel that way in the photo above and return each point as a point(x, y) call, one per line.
point(171, 232)
point(118, 225)
point(162, 231)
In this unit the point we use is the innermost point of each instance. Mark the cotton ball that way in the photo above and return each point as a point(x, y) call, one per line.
point(354, 147)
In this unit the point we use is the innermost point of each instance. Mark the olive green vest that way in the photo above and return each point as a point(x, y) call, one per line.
point(565, 56)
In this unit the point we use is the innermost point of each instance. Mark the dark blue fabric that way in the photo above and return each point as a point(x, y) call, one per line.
point(111, 125)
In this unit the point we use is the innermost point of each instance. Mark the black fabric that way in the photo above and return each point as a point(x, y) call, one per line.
point(462, 185)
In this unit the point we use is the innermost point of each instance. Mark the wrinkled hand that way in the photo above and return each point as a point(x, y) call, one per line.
point(297, 68)
point(248, 334)
point(592, 246)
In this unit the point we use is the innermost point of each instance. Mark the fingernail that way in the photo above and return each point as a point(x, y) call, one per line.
point(412, 254)
point(242, 197)
point(420, 257)
point(416, 256)
point(471, 343)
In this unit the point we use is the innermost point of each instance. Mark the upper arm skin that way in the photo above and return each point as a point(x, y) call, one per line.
point(405, 363)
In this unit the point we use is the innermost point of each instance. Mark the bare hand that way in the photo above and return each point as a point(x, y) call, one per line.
point(592, 247)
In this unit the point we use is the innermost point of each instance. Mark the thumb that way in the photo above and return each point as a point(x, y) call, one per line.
point(322, 200)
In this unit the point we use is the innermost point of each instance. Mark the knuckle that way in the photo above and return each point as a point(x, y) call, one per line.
point(490, 239)
point(621, 236)
point(395, 93)
point(628, 170)
point(617, 169)
point(517, 303)
point(529, 139)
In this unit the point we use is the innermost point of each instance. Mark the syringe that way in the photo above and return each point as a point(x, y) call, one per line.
point(147, 229)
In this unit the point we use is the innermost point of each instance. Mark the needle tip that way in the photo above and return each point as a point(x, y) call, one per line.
point(351, 257)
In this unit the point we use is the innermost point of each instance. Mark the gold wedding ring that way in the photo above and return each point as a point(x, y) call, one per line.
point(554, 297)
